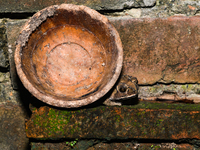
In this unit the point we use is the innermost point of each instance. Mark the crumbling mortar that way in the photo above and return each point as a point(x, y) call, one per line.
point(189, 90)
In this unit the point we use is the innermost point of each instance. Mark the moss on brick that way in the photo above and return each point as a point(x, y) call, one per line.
point(139, 121)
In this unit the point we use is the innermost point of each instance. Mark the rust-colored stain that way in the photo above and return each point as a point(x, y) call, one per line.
point(114, 122)
point(68, 55)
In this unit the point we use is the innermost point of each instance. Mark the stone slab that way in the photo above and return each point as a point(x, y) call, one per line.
point(164, 8)
point(7, 94)
point(161, 49)
point(3, 46)
point(36, 5)
point(141, 146)
point(109, 145)
point(12, 130)
point(143, 121)
point(13, 30)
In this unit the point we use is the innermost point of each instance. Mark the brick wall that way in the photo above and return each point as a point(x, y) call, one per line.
point(161, 48)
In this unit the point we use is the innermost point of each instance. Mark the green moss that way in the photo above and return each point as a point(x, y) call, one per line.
point(184, 87)
point(157, 146)
point(56, 122)
point(158, 122)
point(153, 89)
point(117, 118)
point(190, 86)
point(72, 143)
point(65, 123)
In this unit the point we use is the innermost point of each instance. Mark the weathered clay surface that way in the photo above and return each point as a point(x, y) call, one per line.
point(12, 130)
point(35, 5)
point(3, 46)
point(117, 122)
point(161, 50)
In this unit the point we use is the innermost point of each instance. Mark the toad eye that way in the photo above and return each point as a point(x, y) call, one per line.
point(122, 88)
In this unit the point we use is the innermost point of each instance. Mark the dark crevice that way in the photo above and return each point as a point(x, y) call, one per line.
point(25, 97)
point(16, 15)
point(162, 83)
point(146, 141)
point(4, 70)
point(178, 141)
point(110, 11)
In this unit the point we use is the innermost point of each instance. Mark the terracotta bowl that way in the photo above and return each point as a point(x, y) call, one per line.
point(68, 55)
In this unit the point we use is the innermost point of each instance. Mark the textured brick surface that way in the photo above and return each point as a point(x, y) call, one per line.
point(161, 49)
point(12, 130)
point(117, 122)
point(35, 5)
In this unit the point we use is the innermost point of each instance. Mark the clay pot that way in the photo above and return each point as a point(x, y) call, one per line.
point(68, 55)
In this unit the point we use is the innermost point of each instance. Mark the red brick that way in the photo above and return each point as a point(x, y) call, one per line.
point(115, 123)
point(161, 49)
